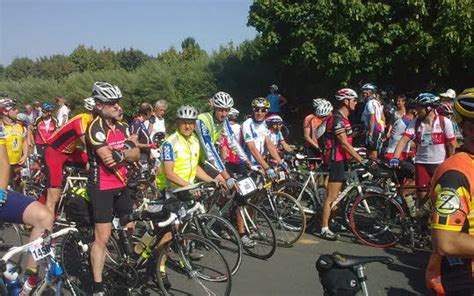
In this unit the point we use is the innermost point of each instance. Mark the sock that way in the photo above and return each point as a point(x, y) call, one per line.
point(324, 229)
point(98, 287)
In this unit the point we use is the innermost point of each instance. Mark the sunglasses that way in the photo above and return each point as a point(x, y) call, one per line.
point(188, 121)
point(112, 103)
point(262, 110)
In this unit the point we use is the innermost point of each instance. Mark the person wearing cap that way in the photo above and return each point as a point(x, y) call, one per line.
point(62, 113)
point(43, 128)
point(451, 264)
point(276, 100)
point(449, 95)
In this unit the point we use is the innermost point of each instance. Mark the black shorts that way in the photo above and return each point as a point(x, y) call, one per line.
point(376, 144)
point(337, 171)
point(107, 203)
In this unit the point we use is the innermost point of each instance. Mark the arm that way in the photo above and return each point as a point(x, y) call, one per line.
point(283, 101)
point(451, 243)
point(258, 157)
point(172, 176)
point(286, 147)
point(308, 139)
point(272, 150)
point(401, 146)
point(371, 124)
point(201, 174)
point(342, 138)
point(208, 147)
point(4, 167)
point(25, 148)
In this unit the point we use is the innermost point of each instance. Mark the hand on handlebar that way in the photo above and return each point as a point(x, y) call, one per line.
point(394, 163)
point(271, 173)
point(369, 163)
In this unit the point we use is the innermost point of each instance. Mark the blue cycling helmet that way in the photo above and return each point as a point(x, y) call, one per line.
point(427, 99)
point(47, 106)
point(369, 86)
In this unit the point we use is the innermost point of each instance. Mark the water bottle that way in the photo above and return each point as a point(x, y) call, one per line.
point(12, 281)
point(29, 285)
point(127, 244)
point(144, 242)
point(410, 204)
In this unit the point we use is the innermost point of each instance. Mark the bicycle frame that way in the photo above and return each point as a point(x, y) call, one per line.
point(70, 182)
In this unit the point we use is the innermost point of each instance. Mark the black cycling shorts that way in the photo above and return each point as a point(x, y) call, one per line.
point(337, 171)
point(107, 203)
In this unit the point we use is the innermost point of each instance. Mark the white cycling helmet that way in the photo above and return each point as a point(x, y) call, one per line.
point(233, 114)
point(324, 109)
point(316, 102)
point(346, 93)
point(89, 104)
point(187, 112)
point(106, 92)
point(222, 100)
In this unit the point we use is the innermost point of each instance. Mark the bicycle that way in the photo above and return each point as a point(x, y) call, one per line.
point(11, 236)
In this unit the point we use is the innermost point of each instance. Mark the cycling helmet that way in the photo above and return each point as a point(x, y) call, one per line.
point(106, 92)
point(324, 109)
point(445, 109)
point(260, 103)
point(427, 99)
point(233, 114)
point(89, 104)
point(273, 119)
point(346, 93)
point(274, 87)
point(47, 106)
point(464, 105)
point(222, 100)
point(369, 86)
point(7, 104)
point(187, 112)
point(23, 117)
point(450, 93)
point(316, 102)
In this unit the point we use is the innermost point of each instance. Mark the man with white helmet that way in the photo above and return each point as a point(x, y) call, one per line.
point(314, 126)
point(65, 145)
point(106, 142)
point(339, 151)
point(210, 127)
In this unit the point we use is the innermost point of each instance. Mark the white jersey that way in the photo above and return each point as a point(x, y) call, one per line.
point(236, 128)
point(255, 132)
point(396, 134)
point(63, 115)
point(373, 107)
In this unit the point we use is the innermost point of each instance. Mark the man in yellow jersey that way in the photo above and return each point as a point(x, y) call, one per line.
point(15, 135)
point(450, 270)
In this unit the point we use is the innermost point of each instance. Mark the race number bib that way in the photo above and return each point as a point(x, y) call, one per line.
point(246, 186)
point(40, 251)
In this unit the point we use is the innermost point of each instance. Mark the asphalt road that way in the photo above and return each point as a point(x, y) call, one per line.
point(291, 271)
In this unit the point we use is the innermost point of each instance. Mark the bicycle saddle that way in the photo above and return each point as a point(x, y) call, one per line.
point(349, 261)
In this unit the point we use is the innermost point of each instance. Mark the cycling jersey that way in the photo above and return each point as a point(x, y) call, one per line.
point(99, 134)
point(336, 124)
point(313, 123)
point(208, 132)
point(14, 135)
point(67, 138)
point(452, 195)
point(157, 127)
point(396, 134)
point(44, 129)
point(373, 107)
point(431, 141)
point(185, 154)
point(256, 132)
point(276, 138)
point(137, 127)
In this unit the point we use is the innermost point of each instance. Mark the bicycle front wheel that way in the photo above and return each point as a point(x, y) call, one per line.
point(192, 266)
point(377, 220)
point(287, 216)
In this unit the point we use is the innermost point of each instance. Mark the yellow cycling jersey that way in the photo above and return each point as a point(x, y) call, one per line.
point(185, 154)
point(2, 135)
point(14, 134)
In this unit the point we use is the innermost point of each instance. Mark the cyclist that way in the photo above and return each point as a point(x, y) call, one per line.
point(339, 151)
point(373, 120)
point(137, 127)
point(43, 128)
point(210, 127)
point(314, 126)
point(446, 109)
point(106, 139)
point(257, 138)
point(20, 209)
point(276, 100)
point(65, 144)
point(434, 138)
point(233, 163)
point(274, 124)
point(450, 268)
point(397, 132)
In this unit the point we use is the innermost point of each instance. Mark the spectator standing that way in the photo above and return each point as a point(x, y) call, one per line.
point(157, 121)
point(276, 100)
point(62, 114)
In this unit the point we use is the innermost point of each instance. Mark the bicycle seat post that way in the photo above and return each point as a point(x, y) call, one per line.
point(362, 278)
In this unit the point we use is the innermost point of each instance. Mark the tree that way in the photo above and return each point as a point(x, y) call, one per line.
point(57, 67)
point(88, 59)
point(191, 49)
point(131, 59)
point(412, 42)
point(20, 68)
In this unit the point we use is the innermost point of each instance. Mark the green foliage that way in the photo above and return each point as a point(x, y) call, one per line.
point(88, 59)
point(20, 68)
point(131, 59)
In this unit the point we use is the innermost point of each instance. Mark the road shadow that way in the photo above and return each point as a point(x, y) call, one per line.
point(413, 266)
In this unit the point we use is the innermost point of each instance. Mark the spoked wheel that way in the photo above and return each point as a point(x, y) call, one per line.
point(304, 196)
point(260, 230)
point(194, 266)
point(377, 220)
point(287, 216)
point(10, 236)
point(221, 232)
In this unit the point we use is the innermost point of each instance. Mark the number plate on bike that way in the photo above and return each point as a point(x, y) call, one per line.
point(246, 186)
point(40, 251)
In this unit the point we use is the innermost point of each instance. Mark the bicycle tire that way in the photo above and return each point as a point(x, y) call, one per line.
point(286, 214)
point(10, 236)
point(297, 189)
point(198, 277)
point(261, 231)
point(377, 220)
point(211, 227)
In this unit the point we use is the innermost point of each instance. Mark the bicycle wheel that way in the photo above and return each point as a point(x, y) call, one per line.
point(286, 215)
point(222, 233)
point(10, 236)
point(260, 230)
point(193, 266)
point(377, 220)
point(304, 195)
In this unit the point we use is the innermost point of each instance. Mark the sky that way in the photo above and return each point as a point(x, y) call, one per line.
point(35, 28)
